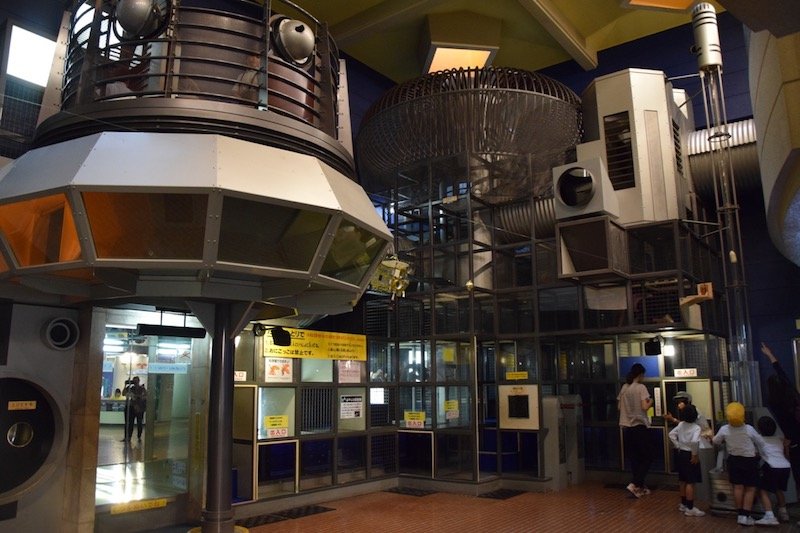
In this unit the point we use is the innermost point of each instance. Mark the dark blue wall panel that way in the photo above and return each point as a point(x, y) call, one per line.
point(670, 52)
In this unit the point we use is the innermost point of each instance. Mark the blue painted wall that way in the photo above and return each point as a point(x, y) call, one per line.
point(670, 52)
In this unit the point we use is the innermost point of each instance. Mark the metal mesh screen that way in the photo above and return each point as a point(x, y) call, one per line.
point(383, 455)
point(20, 112)
point(382, 406)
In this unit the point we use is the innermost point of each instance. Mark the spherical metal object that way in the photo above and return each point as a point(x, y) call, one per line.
point(295, 40)
point(141, 18)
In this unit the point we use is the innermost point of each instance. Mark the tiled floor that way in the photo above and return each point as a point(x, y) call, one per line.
point(590, 507)
point(136, 470)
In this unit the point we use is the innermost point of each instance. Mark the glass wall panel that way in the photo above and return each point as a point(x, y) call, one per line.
point(518, 356)
point(382, 359)
point(383, 455)
point(519, 452)
point(316, 371)
point(382, 406)
point(455, 456)
point(256, 233)
point(351, 253)
point(144, 225)
point(453, 361)
point(415, 361)
point(276, 412)
point(351, 459)
point(516, 313)
point(415, 453)
point(454, 407)
point(416, 406)
point(558, 309)
point(276, 468)
point(316, 464)
point(146, 390)
point(40, 230)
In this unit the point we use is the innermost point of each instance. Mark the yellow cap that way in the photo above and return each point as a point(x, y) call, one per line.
point(734, 412)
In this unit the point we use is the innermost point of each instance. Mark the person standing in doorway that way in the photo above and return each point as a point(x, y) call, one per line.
point(135, 407)
point(633, 402)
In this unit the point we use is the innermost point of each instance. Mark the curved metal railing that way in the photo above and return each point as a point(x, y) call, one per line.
point(203, 56)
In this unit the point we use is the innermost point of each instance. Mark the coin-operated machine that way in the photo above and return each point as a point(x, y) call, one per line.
point(36, 368)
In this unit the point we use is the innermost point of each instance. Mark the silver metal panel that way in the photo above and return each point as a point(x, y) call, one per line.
point(355, 203)
point(46, 168)
point(143, 159)
point(272, 173)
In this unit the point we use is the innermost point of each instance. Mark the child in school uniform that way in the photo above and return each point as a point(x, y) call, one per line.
point(775, 472)
point(685, 438)
point(743, 444)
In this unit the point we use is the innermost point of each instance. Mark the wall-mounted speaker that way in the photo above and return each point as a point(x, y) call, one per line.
point(652, 347)
point(583, 188)
point(61, 333)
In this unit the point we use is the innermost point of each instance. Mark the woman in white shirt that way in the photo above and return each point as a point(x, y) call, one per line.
point(633, 401)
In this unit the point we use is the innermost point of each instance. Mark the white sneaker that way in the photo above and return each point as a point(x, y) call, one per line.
point(633, 489)
point(767, 521)
point(694, 511)
point(745, 520)
point(682, 508)
point(645, 491)
point(783, 514)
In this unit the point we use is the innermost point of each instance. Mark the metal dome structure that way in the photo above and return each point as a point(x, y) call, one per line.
point(508, 126)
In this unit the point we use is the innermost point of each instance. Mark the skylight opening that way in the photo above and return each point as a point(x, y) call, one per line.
point(30, 56)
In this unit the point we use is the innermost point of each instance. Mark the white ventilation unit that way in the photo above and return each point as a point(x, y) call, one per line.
point(640, 133)
point(583, 188)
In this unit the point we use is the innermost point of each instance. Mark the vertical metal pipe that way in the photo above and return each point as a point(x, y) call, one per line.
point(745, 382)
point(218, 514)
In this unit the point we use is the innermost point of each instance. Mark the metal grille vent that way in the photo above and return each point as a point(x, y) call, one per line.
point(377, 319)
point(619, 150)
point(676, 141)
point(316, 407)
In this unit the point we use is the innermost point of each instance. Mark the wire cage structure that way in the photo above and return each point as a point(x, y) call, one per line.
point(461, 165)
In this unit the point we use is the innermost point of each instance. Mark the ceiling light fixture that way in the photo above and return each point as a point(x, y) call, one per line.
point(450, 41)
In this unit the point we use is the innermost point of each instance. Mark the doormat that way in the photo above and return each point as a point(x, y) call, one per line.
point(408, 491)
point(260, 520)
point(288, 514)
point(306, 510)
point(501, 494)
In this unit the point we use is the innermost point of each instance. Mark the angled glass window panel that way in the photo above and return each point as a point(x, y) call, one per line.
point(351, 254)
point(40, 230)
point(256, 233)
point(147, 225)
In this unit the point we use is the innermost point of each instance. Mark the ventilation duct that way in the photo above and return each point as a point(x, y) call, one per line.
point(744, 158)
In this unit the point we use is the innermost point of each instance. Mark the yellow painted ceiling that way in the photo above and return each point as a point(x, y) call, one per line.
point(386, 34)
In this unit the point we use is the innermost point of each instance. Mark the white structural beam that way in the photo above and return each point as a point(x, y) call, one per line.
point(562, 30)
